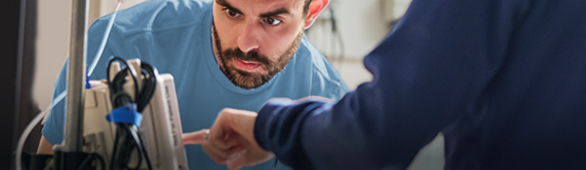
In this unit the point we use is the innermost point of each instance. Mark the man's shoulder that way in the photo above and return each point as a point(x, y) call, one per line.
point(159, 15)
point(318, 64)
point(323, 73)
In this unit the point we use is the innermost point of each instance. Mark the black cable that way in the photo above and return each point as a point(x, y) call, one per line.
point(124, 72)
point(90, 158)
point(127, 138)
point(140, 147)
point(148, 87)
point(101, 160)
point(85, 162)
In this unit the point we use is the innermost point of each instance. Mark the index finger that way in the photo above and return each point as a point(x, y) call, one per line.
point(194, 138)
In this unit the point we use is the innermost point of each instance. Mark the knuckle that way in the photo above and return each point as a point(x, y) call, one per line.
point(227, 110)
point(219, 161)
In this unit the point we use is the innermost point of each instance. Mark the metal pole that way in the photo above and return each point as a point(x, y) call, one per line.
point(76, 78)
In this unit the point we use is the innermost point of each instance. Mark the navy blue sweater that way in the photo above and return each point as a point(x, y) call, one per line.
point(504, 80)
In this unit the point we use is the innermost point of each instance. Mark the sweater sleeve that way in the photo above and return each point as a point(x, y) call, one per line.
point(429, 72)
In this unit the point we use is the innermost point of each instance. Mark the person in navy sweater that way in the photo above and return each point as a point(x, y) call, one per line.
point(503, 80)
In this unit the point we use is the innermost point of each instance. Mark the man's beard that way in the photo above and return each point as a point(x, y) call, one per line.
point(248, 80)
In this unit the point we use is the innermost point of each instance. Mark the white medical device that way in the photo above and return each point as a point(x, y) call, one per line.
point(90, 141)
point(160, 128)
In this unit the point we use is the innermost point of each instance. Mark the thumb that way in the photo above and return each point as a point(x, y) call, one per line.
point(248, 158)
point(194, 138)
point(237, 162)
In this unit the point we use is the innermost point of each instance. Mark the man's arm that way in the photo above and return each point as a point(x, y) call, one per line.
point(432, 69)
point(45, 147)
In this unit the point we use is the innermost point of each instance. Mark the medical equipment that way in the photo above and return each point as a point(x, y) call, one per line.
point(156, 145)
point(58, 98)
point(93, 143)
point(161, 125)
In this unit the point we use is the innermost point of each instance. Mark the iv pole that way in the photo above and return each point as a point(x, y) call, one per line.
point(76, 77)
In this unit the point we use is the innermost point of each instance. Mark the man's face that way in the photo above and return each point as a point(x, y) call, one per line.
point(256, 38)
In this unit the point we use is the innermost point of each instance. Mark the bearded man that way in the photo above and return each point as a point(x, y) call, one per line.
point(222, 53)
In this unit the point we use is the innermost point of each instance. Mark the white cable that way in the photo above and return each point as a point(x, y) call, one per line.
point(29, 128)
point(104, 40)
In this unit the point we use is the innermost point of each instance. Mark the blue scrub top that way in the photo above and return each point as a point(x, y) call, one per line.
point(175, 37)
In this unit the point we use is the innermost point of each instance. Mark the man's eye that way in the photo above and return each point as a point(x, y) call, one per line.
point(232, 13)
point(272, 21)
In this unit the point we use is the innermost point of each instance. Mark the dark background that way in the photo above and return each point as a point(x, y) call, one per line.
point(17, 107)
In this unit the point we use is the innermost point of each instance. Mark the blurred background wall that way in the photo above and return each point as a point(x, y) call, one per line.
point(345, 32)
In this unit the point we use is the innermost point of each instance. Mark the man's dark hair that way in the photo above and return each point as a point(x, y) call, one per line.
point(306, 7)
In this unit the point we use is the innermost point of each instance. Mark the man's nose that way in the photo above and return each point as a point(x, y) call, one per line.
point(249, 37)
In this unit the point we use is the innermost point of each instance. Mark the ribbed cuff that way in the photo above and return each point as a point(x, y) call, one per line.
point(264, 125)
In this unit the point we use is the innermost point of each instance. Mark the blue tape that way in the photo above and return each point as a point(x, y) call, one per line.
point(125, 114)
point(87, 82)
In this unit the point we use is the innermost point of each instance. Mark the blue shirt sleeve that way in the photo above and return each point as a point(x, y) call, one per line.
point(53, 129)
point(427, 73)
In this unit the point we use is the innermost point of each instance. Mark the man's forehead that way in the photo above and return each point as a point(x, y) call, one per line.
point(262, 5)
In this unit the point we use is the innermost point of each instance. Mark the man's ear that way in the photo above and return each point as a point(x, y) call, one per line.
point(315, 8)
